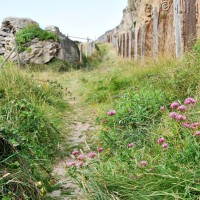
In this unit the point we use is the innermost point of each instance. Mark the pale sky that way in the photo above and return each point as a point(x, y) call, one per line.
point(82, 18)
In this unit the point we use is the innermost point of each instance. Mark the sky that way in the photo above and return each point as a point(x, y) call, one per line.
point(80, 18)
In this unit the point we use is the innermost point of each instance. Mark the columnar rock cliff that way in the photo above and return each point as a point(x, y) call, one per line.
point(40, 52)
point(162, 26)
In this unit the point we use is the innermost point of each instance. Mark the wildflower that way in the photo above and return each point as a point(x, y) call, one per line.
point(197, 133)
point(143, 163)
point(190, 101)
point(173, 115)
point(81, 157)
point(186, 124)
point(111, 112)
point(194, 125)
point(161, 140)
point(80, 164)
point(174, 105)
point(163, 108)
point(75, 152)
point(180, 117)
point(182, 108)
point(131, 145)
point(92, 155)
point(100, 149)
point(71, 164)
point(165, 146)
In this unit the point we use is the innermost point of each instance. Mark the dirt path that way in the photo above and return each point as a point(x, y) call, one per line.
point(80, 123)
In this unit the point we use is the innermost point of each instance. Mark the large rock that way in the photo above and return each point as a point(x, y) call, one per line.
point(38, 52)
point(14, 24)
point(69, 50)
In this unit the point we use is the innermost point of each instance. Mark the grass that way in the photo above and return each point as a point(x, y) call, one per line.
point(32, 105)
point(30, 32)
point(137, 91)
point(30, 126)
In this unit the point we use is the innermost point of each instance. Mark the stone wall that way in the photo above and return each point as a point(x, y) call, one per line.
point(40, 52)
point(157, 27)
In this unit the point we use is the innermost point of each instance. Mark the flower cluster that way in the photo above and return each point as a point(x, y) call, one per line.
point(111, 112)
point(190, 102)
point(80, 158)
point(131, 145)
point(191, 125)
point(162, 142)
point(180, 109)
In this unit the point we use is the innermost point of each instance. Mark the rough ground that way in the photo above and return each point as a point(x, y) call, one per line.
point(80, 123)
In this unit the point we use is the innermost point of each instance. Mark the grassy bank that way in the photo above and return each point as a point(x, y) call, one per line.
point(135, 164)
point(30, 126)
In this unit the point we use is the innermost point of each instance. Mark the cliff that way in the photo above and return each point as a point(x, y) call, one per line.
point(152, 27)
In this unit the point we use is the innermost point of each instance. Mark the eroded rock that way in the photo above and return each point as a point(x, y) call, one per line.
point(37, 52)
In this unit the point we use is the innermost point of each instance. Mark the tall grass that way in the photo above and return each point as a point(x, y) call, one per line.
point(30, 126)
point(136, 92)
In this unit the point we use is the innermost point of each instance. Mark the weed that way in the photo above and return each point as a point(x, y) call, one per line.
point(30, 32)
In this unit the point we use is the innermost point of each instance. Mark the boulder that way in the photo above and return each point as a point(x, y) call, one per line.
point(38, 52)
point(15, 24)
point(69, 50)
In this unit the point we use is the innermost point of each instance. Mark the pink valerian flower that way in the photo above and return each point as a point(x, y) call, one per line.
point(163, 108)
point(161, 140)
point(194, 125)
point(190, 101)
point(165, 146)
point(181, 117)
point(81, 157)
point(131, 145)
point(186, 124)
point(197, 133)
point(143, 163)
point(174, 105)
point(100, 149)
point(92, 155)
point(111, 112)
point(173, 115)
point(80, 164)
point(72, 164)
point(182, 108)
point(75, 152)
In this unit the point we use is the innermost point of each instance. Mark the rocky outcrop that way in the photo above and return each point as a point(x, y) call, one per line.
point(138, 21)
point(38, 52)
point(68, 49)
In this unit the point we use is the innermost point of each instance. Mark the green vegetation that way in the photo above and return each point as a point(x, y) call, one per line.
point(30, 32)
point(30, 126)
point(148, 170)
point(149, 153)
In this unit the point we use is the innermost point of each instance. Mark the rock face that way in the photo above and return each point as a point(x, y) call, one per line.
point(38, 52)
point(41, 52)
point(138, 24)
point(68, 49)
